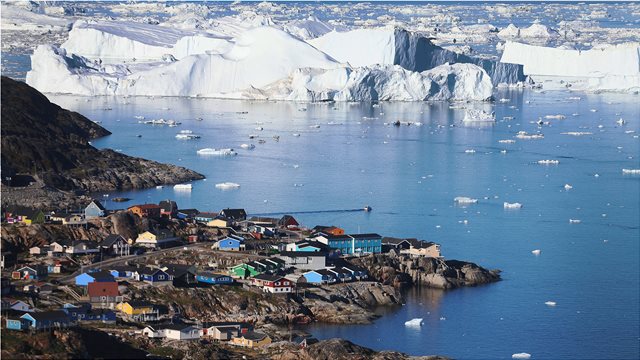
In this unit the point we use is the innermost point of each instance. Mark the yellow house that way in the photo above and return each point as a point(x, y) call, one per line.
point(251, 339)
point(221, 223)
point(135, 307)
point(155, 238)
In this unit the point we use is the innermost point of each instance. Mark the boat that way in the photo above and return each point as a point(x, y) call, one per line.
point(414, 322)
point(367, 208)
point(248, 146)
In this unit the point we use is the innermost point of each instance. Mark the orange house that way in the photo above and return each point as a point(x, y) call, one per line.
point(146, 210)
point(329, 230)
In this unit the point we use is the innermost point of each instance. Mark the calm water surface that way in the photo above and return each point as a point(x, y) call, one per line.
point(410, 175)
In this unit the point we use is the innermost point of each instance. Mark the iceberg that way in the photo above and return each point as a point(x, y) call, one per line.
point(463, 200)
point(550, 303)
point(395, 46)
point(512, 205)
point(217, 152)
point(612, 68)
point(472, 116)
point(548, 162)
point(227, 186)
point(536, 252)
point(521, 356)
point(414, 322)
point(182, 187)
point(631, 171)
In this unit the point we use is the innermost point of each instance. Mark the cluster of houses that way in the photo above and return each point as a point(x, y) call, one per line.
point(235, 333)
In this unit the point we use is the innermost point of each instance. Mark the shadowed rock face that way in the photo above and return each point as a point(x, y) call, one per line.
point(41, 139)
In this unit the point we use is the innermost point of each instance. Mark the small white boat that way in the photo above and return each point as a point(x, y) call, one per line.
point(248, 146)
point(182, 187)
point(414, 322)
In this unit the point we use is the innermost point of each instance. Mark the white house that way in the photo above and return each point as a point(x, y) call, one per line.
point(173, 331)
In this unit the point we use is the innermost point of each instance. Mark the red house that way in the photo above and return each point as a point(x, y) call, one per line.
point(104, 293)
point(288, 222)
point(146, 210)
point(272, 283)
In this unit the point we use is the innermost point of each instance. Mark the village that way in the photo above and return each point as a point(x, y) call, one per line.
point(68, 283)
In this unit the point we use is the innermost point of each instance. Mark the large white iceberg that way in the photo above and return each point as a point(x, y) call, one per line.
point(613, 68)
point(261, 63)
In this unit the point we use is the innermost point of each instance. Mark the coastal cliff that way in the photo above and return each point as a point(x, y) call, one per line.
point(402, 270)
point(49, 148)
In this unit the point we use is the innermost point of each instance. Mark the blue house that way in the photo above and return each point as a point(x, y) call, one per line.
point(123, 271)
point(321, 276)
point(185, 214)
point(353, 244)
point(100, 276)
point(212, 278)
point(205, 217)
point(46, 319)
point(84, 312)
point(94, 210)
point(16, 324)
point(153, 276)
point(231, 243)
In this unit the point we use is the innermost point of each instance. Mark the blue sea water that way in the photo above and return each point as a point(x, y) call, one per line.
point(410, 175)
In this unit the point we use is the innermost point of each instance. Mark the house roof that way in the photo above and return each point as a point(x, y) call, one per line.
point(168, 205)
point(323, 272)
point(180, 327)
point(48, 315)
point(149, 271)
point(234, 213)
point(111, 239)
point(293, 254)
point(288, 219)
point(394, 241)
point(268, 277)
point(224, 324)
point(144, 206)
point(211, 274)
point(102, 274)
point(253, 335)
point(98, 204)
point(207, 214)
point(88, 243)
point(189, 212)
point(178, 270)
point(103, 289)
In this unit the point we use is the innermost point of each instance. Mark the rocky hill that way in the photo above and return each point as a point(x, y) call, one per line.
point(51, 144)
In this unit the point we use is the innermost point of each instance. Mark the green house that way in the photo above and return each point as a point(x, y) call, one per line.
point(246, 270)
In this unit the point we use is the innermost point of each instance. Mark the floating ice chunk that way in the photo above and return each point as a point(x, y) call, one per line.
point(187, 136)
point(217, 152)
point(568, 187)
point(521, 356)
point(472, 115)
point(555, 117)
point(548, 162)
point(574, 221)
point(465, 200)
point(248, 146)
point(159, 187)
point(296, 135)
point(470, 151)
point(227, 185)
point(631, 171)
point(577, 133)
point(536, 252)
point(620, 122)
point(526, 136)
point(507, 141)
point(414, 322)
point(550, 303)
point(512, 205)
point(182, 187)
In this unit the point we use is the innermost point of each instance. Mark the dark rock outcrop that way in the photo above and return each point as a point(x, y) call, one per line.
point(400, 270)
point(51, 144)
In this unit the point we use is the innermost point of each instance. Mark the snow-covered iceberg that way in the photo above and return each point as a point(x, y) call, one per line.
point(393, 46)
point(612, 68)
point(261, 63)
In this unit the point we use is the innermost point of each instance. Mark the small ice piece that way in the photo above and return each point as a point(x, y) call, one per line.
point(414, 322)
point(521, 356)
point(577, 133)
point(507, 141)
point(217, 152)
point(550, 303)
point(536, 252)
point(526, 136)
point(227, 185)
point(548, 162)
point(631, 171)
point(159, 187)
point(296, 135)
point(186, 187)
point(568, 187)
point(472, 115)
point(248, 146)
point(512, 205)
point(465, 200)
point(620, 122)
point(259, 128)
point(470, 151)
point(555, 117)
point(574, 221)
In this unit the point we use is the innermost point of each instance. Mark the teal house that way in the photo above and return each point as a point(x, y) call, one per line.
point(353, 244)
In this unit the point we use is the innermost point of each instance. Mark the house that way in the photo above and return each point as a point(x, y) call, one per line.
point(25, 215)
point(139, 310)
point(308, 245)
point(17, 305)
point(288, 222)
point(123, 271)
point(105, 294)
point(245, 270)
point(38, 250)
point(94, 210)
point(213, 278)
point(353, 244)
point(224, 330)
point(57, 247)
point(84, 312)
point(327, 230)
point(43, 288)
point(115, 244)
point(146, 210)
point(85, 279)
point(420, 248)
point(168, 208)
point(14, 320)
point(320, 276)
point(264, 229)
point(156, 238)
point(230, 243)
point(82, 247)
point(30, 272)
point(186, 214)
point(74, 219)
point(220, 222)
point(153, 276)
point(173, 331)
point(234, 214)
point(341, 274)
point(304, 260)
point(181, 275)
point(46, 320)
point(275, 284)
point(251, 339)
point(205, 217)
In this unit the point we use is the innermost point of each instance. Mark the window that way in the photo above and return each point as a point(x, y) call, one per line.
point(160, 277)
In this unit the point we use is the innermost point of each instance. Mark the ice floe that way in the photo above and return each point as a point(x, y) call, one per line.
point(521, 356)
point(217, 152)
point(512, 205)
point(227, 185)
point(463, 200)
point(414, 322)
